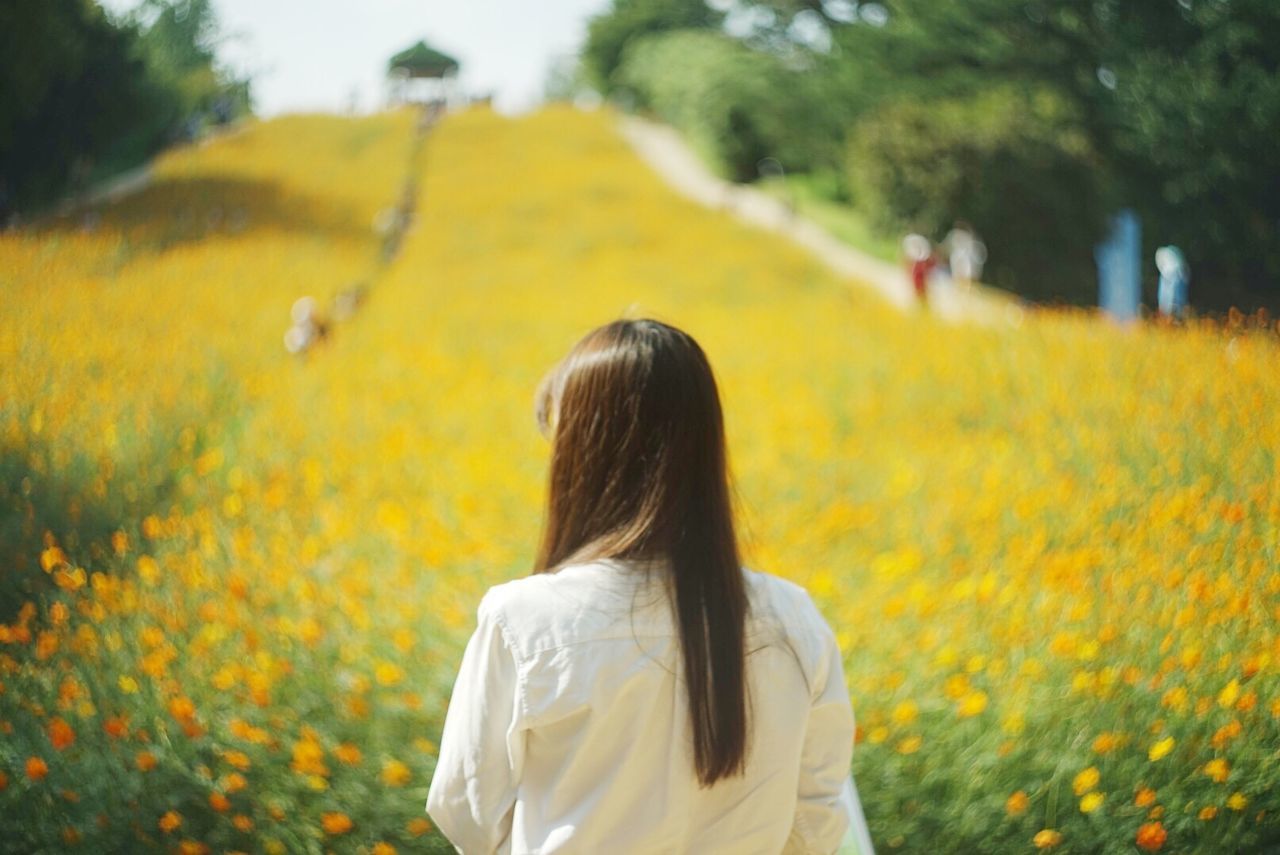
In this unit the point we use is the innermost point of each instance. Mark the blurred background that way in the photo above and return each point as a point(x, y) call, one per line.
point(988, 287)
point(1035, 122)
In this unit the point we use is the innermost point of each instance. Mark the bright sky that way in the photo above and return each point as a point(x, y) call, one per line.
point(314, 54)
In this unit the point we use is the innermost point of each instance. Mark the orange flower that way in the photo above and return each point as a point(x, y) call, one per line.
point(36, 768)
point(116, 728)
point(1106, 743)
point(335, 822)
point(193, 847)
point(308, 755)
point(1145, 797)
point(1017, 804)
point(234, 783)
point(237, 758)
point(170, 821)
point(1151, 836)
point(219, 802)
point(182, 708)
point(61, 734)
point(381, 848)
point(4, 780)
point(1218, 769)
point(1208, 813)
point(418, 827)
point(1226, 733)
point(242, 822)
point(145, 761)
point(348, 753)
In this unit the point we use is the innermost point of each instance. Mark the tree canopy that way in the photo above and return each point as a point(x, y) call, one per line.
point(1005, 113)
point(85, 92)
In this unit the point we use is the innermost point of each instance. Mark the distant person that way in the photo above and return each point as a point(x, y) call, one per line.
point(965, 254)
point(920, 261)
point(308, 329)
point(642, 691)
point(1175, 277)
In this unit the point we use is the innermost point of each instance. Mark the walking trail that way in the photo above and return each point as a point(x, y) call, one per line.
point(666, 153)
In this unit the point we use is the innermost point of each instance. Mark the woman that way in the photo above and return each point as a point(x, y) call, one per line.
point(642, 692)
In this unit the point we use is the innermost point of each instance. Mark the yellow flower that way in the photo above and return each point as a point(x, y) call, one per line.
point(1047, 838)
point(1017, 804)
point(388, 673)
point(1085, 781)
point(1208, 813)
point(395, 773)
point(1160, 749)
point(1091, 802)
point(905, 713)
point(1217, 769)
point(972, 704)
point(1237, 801)
point(1230, 692)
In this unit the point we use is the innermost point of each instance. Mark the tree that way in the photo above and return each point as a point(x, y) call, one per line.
point(81, 88)
point(1178, 101)
point(609, 33)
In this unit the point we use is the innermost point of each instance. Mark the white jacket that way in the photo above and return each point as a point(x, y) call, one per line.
point(568, 730)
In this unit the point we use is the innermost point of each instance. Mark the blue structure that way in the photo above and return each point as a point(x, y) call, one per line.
point(1120, 267)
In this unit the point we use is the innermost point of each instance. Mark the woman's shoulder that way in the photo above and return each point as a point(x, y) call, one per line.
point(789, 600)
point(573, 604)
point(789, 608)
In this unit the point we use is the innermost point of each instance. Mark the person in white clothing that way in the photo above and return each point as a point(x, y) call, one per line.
point(642, 692)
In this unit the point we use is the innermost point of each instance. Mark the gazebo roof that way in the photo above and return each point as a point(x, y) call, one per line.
point(422, 60)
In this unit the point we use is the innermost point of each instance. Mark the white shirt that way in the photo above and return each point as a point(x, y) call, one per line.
point(568, 730)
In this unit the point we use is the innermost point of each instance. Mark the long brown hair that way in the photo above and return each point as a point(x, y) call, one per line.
point(639, 470)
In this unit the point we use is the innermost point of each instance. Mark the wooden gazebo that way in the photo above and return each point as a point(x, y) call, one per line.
point(423, 75)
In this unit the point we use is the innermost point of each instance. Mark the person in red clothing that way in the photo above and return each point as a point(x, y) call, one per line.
point(920, 263)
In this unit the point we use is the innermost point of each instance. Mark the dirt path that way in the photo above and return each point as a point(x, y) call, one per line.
point(667, 154)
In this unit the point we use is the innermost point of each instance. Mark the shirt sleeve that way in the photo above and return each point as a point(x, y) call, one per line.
point(473, 791)
point(823, 808)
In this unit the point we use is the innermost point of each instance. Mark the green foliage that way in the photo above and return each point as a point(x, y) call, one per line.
point(72, 87)
point(737, 105)
point(1177, 104)
point(609, 33)
point(1011, 162)
point(82, 90)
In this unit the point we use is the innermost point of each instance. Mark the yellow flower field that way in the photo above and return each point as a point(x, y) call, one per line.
point(238, 582)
